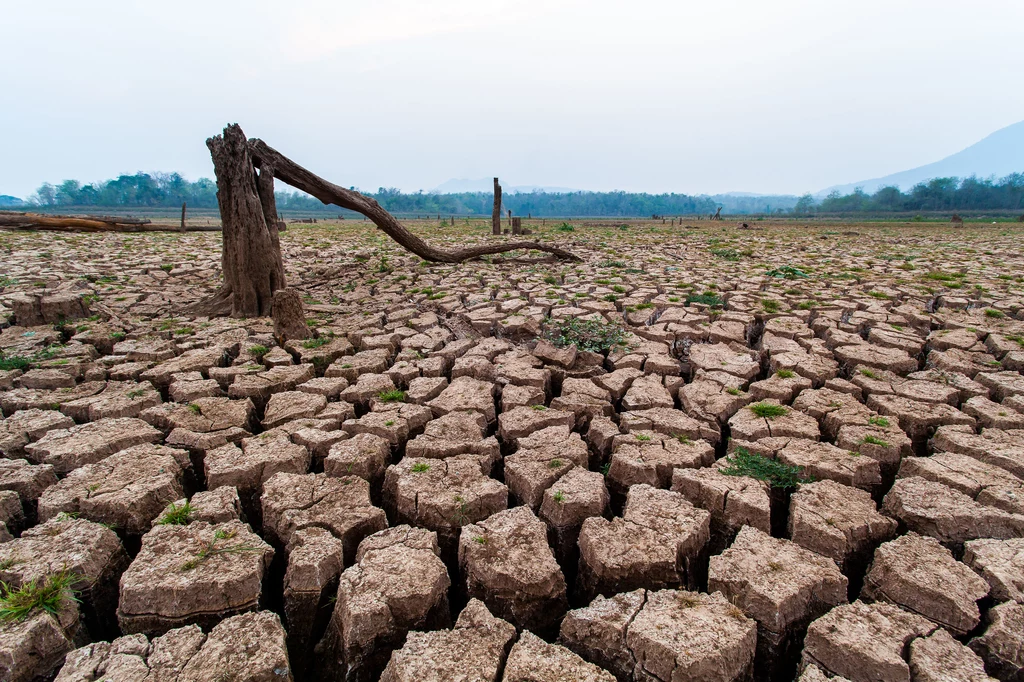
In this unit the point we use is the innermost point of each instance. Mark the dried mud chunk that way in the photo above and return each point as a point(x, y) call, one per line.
point(939, 657)
point(197, 574)
point(474, 650)
point(651, 458)
point(534, 660)
point(315, 561)
point(88, 551)
point(398, 584)
point(949, 516)
point(837, 521)
point(68, 449)
point(919, 574)
point(1002, 644)
point(864, 642)
point(466, 395)
point(290, 405)
point(34, 648)
point(26, 426)
point(364, 455)
point(779, 584)
point(292, 502)
point(125, 491)
point(1001, 564)
point(657, 543)
point(506, 563)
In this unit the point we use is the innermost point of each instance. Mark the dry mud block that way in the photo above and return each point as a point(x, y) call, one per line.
point(574, 498)
point(543, 457)
point(939, 657)
point(1002, 644)
point(936, 510)
point(780, 421)
point(124, 491)
point(12, 515)
point(88, 551)
point(398, 584)
point(664, 636)
point(315, 561)
point(341, 506)
point(1000, 448)
point(28, 480)
point(864, 642)
point(456, 433)
point(250, 646)
point(733, 501)
point(659, 541)
point(33, 648)
point(442, 495)
point(68, 449)
point(650, 457)
point(212, 506)
point(364, 455)
point(466, 394)
point(522, 421)
point(837, 521)
point(475, 649)
point(506, 562)
point(290, 405)
point(919, 574)
point(189, 574)
point(532, 660)
point(248, 467)
point(780, 585)
point(1001, 564)
point(27, 426)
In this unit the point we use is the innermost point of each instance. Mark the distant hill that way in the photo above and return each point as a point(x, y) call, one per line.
point(460, 185)
point(8, 200)
point(999, 154)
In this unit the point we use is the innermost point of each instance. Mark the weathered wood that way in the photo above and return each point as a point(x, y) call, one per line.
point(183, 216)
point(251, 253)
point(70, 223)
point(496, 211)
point(289, 172)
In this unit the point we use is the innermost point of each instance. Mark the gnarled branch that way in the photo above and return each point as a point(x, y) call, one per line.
point(287, 171)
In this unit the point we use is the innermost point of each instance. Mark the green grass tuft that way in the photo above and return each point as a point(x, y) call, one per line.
point(48, 595)
point(768, 410)
point(177, 515)
point(775, 473)
point(588, 335)
point(393, 396)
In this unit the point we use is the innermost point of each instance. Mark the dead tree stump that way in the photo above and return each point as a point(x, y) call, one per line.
point(183, 216)
point(251, 255)
point(496, 212)
point(289, 318)
point(517, 225)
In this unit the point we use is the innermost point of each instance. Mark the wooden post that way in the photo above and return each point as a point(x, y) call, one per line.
point(517, 225)
point(496, 213)
point(183, 216)
point(510, 217)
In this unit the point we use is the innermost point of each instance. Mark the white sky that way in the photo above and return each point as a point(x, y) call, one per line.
point(782, 96)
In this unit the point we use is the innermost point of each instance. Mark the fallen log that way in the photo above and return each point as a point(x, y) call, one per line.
point(69, 223)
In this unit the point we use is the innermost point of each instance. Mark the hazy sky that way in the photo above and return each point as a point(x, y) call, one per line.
point(780, 96)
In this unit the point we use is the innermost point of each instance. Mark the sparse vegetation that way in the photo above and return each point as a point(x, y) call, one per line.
point(744, 463)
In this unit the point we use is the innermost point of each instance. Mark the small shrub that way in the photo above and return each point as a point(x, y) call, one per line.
point(589, 335)
point(872, 440)
point(48, 595)
point(785, 374)
point(420, 467)
point(769, 305)
point(994, 314)
point(176, 515)
point(708, 298)
point(879, 421)
point(8, 362)
point(393, 396)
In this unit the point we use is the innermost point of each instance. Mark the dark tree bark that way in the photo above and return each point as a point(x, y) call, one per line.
point(183, 206)
point(288, 171)
point(496, 211)
point(251, 255)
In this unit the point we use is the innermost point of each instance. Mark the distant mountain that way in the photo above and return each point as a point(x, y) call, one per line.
point(8, 200)
point(999, 154)
point(460, 185)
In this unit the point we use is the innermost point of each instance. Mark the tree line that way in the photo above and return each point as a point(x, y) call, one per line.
point(938, 194)
point(166, 190)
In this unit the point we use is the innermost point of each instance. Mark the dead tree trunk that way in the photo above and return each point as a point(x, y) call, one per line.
point(183, 204)
point(251, 255)
point(287, 171)
point(496, 211)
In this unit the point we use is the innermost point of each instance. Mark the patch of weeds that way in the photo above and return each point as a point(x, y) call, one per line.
point(47, 595)
point(785, 374)
point(879, 421)
point(550, 279)
point(480, 540)
point(604, 468)
point(177, 515)
point(589, 335)
point(118, 336)
point(732, 390)
point(212, 549)
point(566, 227)
point(390, 422)
point(559, 497)
point(768, 410)
point(787, 272)
point(777, 474)
point(258, 352)
point(685, 440)
point(642, 437)
point(316, 343)
point(420, 467)
point(868, 373)
point(554, 463)
point(9, 362)
point(138, 393)
point(769, 305)
point(994, 314)
point(872, 440)
point(194, 409)
point(708, 298)
point(393, 396)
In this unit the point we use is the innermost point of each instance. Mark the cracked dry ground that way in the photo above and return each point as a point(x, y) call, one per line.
point(807, 461)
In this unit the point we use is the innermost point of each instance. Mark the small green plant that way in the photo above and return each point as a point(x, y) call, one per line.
point(258, 352)
point(566, 227)
point(550, 279)
point(177, 515)
point(555, 463)
point(770, 305)
point(317, 342)
point(768, 410)
point(743, 463)
point(588, 335)
point(559, 497)
point(118, 336)
point(879, 421)
point(868, 373)
point(167, 267)
point(785, 374)
point(731, 255)
point(873, 440)
point(684, 439)
point(212, 549)
point(480, 540)
point(8, 362)
point(194, 409)
point(708, 298)
point(420, 467)
point(539, 408)
point(994, 314)
point(392, 396)
point(390, 422)
point(47, 595)
point(138, 393)
point(787, 272)
point(732, 390)
point(642, 437)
